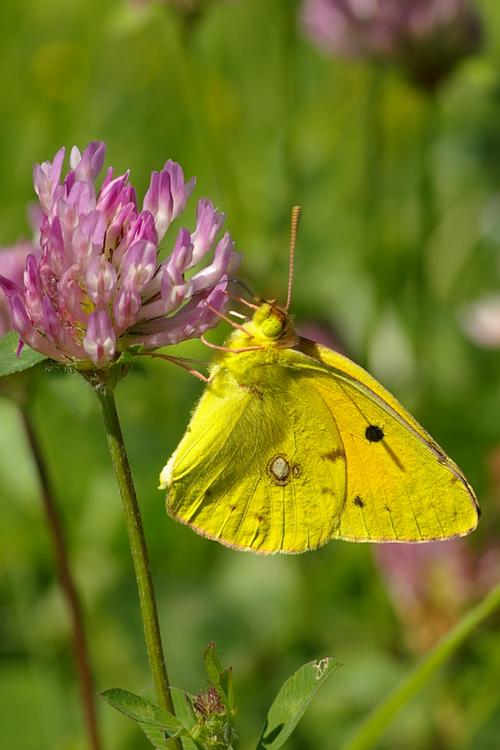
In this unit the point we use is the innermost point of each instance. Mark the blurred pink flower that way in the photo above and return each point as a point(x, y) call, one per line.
point(12, 264)
point(432, 584)
point(481, 321)
point(322, 333)
point(426, 37)
point(98, 286)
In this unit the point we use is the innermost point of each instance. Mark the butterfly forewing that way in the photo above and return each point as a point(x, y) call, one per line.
point(401, 485)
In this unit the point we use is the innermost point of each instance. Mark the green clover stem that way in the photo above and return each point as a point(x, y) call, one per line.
point(104, 387)
point(67, 583)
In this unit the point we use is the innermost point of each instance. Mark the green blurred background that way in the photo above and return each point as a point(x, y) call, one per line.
point(264, 121)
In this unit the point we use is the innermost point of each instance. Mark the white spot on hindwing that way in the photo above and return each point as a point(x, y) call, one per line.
point(278, 469)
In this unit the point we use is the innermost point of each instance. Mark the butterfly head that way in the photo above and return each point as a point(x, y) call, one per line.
point(270, 326)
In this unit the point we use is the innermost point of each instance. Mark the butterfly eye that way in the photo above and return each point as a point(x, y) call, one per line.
point(272, 327)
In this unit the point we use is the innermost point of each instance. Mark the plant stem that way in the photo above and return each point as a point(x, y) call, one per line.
point(370, 731)
point(105, 392)
point(67, 585)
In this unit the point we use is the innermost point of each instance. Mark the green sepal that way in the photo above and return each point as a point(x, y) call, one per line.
point(183, 708)
point(292, 700)
point(129, 355)
point(184, 712)
point(220, 678)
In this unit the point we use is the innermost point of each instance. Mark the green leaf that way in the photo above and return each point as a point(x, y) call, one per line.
point(292, 700)
point(157, 724)
point(9, 362)
point(141, 710)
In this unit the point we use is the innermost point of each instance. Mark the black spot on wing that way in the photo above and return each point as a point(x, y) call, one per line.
point(358, 502)
point(374, 433)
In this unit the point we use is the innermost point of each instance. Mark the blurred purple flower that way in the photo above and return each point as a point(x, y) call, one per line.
point(322, 333)
point(432, 584)
point(98, 286)
point(12, 264)
point(426, 37)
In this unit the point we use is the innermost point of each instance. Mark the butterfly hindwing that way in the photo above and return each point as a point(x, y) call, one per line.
point(261, 467)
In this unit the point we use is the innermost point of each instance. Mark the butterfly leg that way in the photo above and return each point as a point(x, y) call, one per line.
point(230, 349)
point(181, 361)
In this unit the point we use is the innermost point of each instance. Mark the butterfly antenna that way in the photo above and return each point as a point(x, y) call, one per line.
point(246, 289)
point(242, 300)
point(296, 211)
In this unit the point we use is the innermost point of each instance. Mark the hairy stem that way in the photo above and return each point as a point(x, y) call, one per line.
point(104, 389)
point(68, 587)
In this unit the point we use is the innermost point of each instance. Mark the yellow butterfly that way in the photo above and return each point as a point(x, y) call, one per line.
point(292, 445)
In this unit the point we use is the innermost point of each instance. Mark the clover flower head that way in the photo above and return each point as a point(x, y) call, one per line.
point(97, 285)
point(425, 37)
